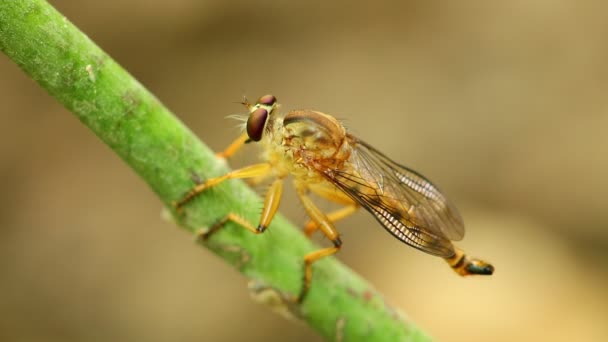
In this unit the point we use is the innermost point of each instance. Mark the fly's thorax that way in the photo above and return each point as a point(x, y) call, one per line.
point(274, 151)
point(314, 135)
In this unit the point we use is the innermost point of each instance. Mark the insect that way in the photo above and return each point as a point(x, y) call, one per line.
point(325, 159)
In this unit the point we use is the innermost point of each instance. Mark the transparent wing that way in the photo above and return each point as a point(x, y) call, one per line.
point(408, 205)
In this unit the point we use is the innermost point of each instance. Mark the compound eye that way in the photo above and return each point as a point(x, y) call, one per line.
point(255, 124)
point(268, 100)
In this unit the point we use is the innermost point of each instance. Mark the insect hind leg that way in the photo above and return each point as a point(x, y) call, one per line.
point(464, 265)
point(334, 216)
point(312, 257)
point(332, 194)
point(326, 226)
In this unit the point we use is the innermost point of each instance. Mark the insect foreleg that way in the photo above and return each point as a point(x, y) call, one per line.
point(233, 147)
point(251, 171)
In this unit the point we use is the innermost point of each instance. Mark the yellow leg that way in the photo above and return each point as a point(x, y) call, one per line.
point(334, 195)
point(257, 180)
point(246, 172)
point(464, 265)
point(317, 216)
point(326, 227)
point(271, 204)
point(334, 216)
point(309, 259)
point(331, 194)
point(233, 147)
point(231, 217)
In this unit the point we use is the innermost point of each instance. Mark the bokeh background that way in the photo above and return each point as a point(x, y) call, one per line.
point(503, 104)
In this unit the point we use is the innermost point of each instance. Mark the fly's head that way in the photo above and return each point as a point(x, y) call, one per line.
point(260, 116)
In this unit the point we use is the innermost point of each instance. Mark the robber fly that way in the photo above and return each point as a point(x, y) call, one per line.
point(327, 160)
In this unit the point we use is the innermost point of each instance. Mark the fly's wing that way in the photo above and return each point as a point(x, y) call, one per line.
point(409, 206)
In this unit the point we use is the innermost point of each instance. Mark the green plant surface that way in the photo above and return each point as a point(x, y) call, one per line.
point(166, 154)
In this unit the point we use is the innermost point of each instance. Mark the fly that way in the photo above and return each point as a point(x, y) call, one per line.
point(327, 160)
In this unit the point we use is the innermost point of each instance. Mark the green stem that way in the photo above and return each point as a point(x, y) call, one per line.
point(124, 115)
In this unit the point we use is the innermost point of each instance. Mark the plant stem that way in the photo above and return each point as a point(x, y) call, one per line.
point(124, 115)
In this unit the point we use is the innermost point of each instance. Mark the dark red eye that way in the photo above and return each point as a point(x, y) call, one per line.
point(255, 124)
point(268, 100)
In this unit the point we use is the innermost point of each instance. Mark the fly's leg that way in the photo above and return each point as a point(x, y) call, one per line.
point(271, 204)
point(464, 265)
point(331, 193)
point(309, 259)
point(231, 217)
point(334, 216)
point(334, 195)
point(257, 180)
point(233, 147)
point(236, 145)
point(251, 171)
point(327, 228)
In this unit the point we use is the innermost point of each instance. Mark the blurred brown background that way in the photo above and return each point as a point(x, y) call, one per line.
point(503, 104)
